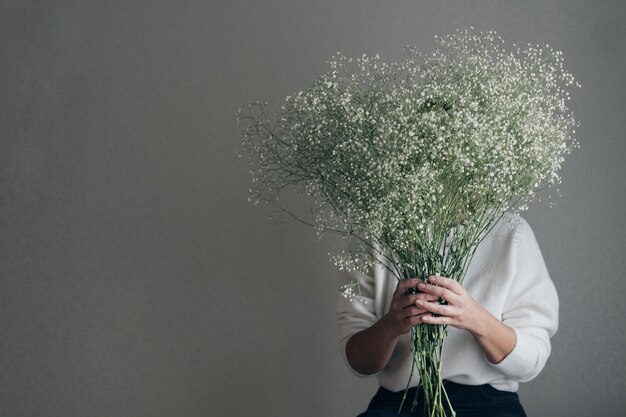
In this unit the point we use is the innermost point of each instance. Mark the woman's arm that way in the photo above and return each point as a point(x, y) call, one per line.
point(368, 351)
point(495, 338)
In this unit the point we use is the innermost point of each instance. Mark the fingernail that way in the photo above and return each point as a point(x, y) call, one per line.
point(421, 286)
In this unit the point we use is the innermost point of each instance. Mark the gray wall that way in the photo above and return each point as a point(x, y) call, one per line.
point(137, 280)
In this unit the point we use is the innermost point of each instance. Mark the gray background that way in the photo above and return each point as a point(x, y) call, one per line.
point(137, 280)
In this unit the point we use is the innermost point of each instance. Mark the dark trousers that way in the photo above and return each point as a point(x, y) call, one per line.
point(467, 401)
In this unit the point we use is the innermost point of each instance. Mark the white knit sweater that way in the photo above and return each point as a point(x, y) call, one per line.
point(508, 277)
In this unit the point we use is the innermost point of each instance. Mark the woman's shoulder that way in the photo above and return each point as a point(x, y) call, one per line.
point(512, 226)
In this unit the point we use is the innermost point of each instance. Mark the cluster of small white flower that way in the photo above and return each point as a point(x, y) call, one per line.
point(351, 291)
point(400, 153)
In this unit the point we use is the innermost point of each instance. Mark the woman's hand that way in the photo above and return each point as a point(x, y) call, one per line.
point(404, 312)
point(461, 311)
point(369, 350)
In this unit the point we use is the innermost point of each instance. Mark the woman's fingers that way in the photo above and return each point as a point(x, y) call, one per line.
point(404, 312)
point(436, 308)
point(405, 284)
point(426, 297)
point(403, 295)
point(448, 283)
point(411, 307)
point(437, 291)
point(409, 300)
point(427, 318)
point(414, 311)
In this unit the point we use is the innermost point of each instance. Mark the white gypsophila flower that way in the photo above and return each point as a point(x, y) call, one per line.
point(386, 150)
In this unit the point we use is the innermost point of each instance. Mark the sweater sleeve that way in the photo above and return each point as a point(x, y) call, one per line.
point(532, 310)
point(356, 314)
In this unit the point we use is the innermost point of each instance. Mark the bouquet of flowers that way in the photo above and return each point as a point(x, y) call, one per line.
point(414, 161)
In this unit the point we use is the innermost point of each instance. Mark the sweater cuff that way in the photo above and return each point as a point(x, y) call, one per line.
point(521, 359)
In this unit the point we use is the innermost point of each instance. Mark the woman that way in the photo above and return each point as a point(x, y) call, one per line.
point(500, 322)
